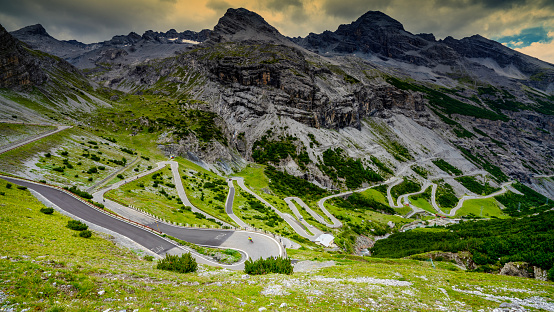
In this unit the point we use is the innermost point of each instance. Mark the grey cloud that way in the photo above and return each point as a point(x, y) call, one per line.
point(281, 5)
point(218, 5)
point(88, 21)
point(352, 9)
point(494, 4)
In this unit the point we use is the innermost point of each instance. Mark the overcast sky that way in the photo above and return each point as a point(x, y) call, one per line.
point(527, 26)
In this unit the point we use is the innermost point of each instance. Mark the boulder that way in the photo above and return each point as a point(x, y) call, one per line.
point(521, 269)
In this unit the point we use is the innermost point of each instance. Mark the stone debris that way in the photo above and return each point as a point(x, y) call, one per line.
point(367, 280)
point(274, 290)
point(305, 266)
point(509, 307)
point(532, 302)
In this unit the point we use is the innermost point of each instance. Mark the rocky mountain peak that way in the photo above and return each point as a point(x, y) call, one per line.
point(241, 24)
point(377, 19)
point(374, 33)
point(37, 29)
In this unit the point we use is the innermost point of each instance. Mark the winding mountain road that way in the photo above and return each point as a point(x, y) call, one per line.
point(295, 224)
point(140, 227)
point(99, 195)
point(504, 189)
point(14, 145)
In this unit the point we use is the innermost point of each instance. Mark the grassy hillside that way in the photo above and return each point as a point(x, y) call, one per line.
point(46, 267)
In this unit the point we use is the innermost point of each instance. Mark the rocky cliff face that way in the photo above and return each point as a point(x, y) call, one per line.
point(268, 74)
point(18, 69)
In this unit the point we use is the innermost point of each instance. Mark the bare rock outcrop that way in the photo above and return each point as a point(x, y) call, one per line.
point(521, 269)
point(363, 243)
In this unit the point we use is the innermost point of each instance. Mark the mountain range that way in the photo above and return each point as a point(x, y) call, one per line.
point(370, 88)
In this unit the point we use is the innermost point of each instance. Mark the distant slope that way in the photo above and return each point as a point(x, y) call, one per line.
point(43, 83)
point(121, 49)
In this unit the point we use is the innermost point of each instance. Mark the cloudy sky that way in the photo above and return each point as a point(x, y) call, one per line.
point(525, 25)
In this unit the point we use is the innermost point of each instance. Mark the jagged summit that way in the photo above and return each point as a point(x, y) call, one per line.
point(36, 29)
point(241, 24)
point(374, 33)
point(375, 19)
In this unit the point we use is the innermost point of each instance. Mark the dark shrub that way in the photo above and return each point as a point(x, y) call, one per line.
point(78, 192)
point(47, 210)
point(76, 225)
point(85, 234)
point(120, 176)
point(269, 265)
point(184, 264)
point(21, 187)
point(8, 185)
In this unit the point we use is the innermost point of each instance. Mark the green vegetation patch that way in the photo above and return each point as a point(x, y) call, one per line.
point(528, 203)
point(492, 243)
point(207, 192)
point(256, 214)
point(153, 114)
point(266, 151)
point(257, 178)
point(289, 185)
point(359, 203)
point(270, 265)
point(424, 173)
point(446, 167)
point(407, 186)
point(422, 201)
point(445, 196)
point(351, 171)
point(384, 168)
point(479, 160)
point(475, 186)
point(10, 132)
point(183, 264)
point(156, 194)
point(446, 103)
point(480, 208)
